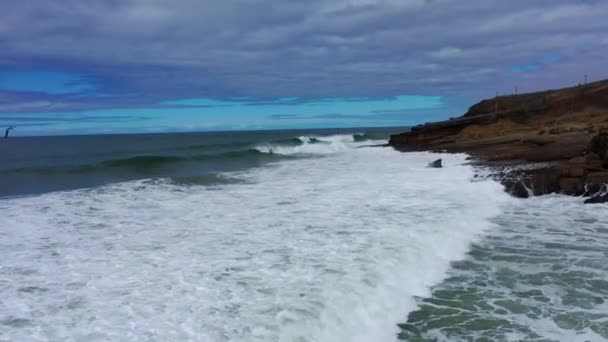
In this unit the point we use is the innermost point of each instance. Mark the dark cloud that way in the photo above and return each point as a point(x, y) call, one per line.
point(144, 52)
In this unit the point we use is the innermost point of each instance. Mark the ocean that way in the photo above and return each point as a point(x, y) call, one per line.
point(313, 235)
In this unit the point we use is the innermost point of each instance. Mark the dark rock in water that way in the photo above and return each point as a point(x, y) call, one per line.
point(598, 193)
point(524, 183)
point(436, 164)
point(597, 199)
point(592, 190)
point(519, 190)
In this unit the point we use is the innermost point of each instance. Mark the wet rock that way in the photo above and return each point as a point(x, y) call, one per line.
point(436, 164)
point(592, 190)
point(597, 199)
point(519, 190)
point(544, 181)
point(571, 186)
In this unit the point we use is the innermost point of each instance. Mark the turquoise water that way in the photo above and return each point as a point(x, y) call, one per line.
point(540, 275)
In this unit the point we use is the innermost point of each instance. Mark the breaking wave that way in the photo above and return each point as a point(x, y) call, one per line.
point(307, 249)
point(311, 145)
point(303, 145)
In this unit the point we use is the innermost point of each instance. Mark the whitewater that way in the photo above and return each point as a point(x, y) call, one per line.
point(338, 242)
point(327, 248)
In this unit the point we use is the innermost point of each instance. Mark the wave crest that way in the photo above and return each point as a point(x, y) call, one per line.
point(315, 144)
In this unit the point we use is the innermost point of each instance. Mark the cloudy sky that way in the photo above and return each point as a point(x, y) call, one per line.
point(103, 66)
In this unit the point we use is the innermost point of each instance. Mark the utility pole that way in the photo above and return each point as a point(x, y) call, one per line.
point(515, 90)
point(496, 103)
point(585, 78)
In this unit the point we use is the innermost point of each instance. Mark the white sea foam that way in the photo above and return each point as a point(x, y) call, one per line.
point(329, 144)
point(324, 249)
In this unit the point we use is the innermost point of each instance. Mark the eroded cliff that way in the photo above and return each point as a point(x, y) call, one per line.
point(554, 128)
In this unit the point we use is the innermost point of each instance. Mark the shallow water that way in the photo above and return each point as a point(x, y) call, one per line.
point(541, 276)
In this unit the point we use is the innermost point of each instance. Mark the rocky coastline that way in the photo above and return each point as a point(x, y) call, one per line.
point(554, 141)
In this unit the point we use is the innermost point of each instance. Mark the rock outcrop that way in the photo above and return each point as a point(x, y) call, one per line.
point(538, 143)
point(436, 164)
point(599, 198)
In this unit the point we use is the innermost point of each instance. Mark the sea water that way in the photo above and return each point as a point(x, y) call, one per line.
point(306, 236)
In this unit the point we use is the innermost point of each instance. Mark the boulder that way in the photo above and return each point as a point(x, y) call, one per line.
point(592, 190)
point(597, 199)
point(436, 164)
point(571, 186)
point(519, 190)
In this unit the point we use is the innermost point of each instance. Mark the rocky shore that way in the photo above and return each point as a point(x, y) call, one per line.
point(554, 141)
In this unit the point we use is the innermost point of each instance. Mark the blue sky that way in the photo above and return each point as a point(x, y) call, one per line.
point(106, 66)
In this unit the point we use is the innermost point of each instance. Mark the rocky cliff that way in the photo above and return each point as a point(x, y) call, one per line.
point(551, 141)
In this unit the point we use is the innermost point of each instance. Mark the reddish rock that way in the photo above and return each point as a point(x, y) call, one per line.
point(559, 127)
point(507, 127)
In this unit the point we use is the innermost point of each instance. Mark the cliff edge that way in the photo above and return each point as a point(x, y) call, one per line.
point(544, 142)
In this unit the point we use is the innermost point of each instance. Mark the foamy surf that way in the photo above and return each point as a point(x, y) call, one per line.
point(313, 249)
point(318, 145)
point(541, 276)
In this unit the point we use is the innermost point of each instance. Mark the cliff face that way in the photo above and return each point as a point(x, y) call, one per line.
point(552, 126)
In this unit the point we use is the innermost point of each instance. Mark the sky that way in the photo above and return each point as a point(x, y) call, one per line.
point(128, 66)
